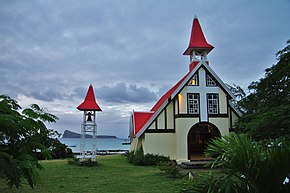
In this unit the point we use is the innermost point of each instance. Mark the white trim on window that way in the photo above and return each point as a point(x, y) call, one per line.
point(212, 103)
point(193, 103)
point(210, 81)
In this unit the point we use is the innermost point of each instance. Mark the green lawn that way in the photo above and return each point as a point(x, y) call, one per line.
point(114, 175)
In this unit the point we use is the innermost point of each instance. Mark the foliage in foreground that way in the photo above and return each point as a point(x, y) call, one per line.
point(247, 166)
point(164, 163)
point(21, 139)
point(86, 162)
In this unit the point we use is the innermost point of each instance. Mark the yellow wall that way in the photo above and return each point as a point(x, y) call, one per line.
point(160, 143)
point(182, 101)
point(176, 105)
point(170, 116)
point(222, 102)
point(234, 117)
point(223, 124)
point(136, 143)
point(152, 126)
point(161, 121)
point(133, 146)
point(183, 125)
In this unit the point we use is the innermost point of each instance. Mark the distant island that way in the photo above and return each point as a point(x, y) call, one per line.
point(70, 134)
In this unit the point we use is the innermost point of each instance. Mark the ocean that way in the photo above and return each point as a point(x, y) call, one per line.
point(103, 144)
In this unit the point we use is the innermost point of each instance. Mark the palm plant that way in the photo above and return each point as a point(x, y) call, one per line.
point(245, 166)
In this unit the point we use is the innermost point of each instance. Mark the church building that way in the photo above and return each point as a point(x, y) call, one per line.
point(195, 110)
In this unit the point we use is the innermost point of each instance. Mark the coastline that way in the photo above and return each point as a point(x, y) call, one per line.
point(106, 152)
point(104, 146)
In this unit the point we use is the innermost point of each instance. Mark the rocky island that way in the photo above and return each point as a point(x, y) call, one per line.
point(70, 134)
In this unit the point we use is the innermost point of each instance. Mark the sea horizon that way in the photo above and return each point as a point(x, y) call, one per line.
point(102, 144)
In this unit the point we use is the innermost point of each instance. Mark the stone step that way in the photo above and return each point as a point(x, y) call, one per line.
point(199, 164)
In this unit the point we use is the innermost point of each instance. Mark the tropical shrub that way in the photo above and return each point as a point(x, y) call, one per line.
point(247, 166)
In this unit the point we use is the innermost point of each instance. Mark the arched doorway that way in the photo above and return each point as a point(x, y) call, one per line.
point(198, 138)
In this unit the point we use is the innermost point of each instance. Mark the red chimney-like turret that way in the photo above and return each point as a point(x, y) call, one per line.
point(89, 103)
point(197, 40)
point(198, 47)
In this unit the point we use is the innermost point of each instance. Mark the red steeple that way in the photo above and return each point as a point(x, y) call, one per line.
point(89, 103)
point(197, 39)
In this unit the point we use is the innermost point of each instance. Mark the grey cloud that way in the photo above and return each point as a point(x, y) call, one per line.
point(54, 49)
point(122, 93)
point(46, 95)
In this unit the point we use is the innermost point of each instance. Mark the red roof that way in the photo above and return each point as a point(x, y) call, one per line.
point(89, 103)
point(167, 95)
point(197, 39)
point(140, 119)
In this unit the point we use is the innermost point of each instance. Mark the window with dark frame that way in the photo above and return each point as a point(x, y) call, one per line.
point(212, 103)
point(194, 81)
point(193, 103)
point(210, 81)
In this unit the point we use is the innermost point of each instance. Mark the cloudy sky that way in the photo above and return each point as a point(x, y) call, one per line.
point(131, 51)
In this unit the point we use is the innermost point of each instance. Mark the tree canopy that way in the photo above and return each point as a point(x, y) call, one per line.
point(266, 109)
point(21, 137)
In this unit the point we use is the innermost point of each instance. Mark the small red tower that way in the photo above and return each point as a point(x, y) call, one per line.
point(198, 47)
point(89, 106)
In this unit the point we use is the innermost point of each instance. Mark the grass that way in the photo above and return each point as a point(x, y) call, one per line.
point(114, 174)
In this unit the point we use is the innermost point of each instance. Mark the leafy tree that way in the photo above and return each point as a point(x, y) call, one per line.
point(56, 149)
point(21, 135)
point(239, 94)
point(247, 166)
point(266, 108)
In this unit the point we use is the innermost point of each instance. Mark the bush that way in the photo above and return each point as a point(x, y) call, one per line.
point(138, 158)
point(86, 162)
point(163, 162)
point(170, 168)
point(131, 156)
point(154, 159)
point(60, 151)
point(56, 149)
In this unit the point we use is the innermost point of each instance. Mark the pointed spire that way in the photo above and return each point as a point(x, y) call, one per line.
point(89, 104)
point(197, 39)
